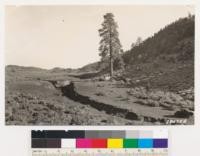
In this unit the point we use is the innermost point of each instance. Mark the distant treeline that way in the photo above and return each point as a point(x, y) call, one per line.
point(173, 43)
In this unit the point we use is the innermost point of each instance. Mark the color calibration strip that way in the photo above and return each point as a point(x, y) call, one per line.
point(100, 143)
point(100, 139)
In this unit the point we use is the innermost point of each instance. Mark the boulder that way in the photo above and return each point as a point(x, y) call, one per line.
point(107, 78)
point(104, 78)
point(183, 113)
point(62, 83)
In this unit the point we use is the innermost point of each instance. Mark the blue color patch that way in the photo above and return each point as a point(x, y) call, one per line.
point(145, 143)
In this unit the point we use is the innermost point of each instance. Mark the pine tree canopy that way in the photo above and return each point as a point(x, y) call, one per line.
point(110, 37)
point(110, 47)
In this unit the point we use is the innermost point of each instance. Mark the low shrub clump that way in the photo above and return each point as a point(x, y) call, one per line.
point(156, 98)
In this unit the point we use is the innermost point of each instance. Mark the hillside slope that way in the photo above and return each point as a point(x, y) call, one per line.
point(165, 60)
point(174, 43)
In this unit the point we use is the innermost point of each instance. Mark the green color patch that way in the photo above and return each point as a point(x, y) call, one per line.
point(130, 143)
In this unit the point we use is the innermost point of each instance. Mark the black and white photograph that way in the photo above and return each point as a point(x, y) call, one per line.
point(99, 65)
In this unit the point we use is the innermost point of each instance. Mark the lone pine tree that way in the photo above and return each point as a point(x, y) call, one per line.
point(110, 46)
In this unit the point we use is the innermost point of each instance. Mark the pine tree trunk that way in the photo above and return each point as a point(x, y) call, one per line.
point(111, 66)
point(111, 56)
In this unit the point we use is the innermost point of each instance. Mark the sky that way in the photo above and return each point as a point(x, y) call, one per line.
point(67, 36)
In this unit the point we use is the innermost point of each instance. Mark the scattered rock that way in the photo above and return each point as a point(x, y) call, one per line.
point(100, 94)
point(62, 83)
point(183, 113)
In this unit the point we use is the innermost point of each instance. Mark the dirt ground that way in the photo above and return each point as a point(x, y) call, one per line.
point(44, 97)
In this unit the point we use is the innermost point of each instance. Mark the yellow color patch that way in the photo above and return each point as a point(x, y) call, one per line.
point(115, 143)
